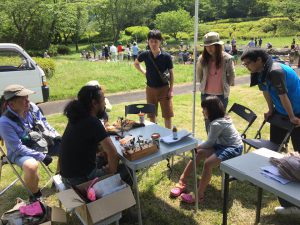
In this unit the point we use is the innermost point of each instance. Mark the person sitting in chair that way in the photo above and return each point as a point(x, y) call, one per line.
point(21, 125)
point(83, 137)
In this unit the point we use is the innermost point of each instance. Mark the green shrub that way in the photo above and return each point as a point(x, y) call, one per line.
point(35, 53)
point(52, 51)
point(183, 35)
point(241, 28)
point(47, 64)
point(125, 38)
point(63, 50)
point(138, 33)
point(166, 36)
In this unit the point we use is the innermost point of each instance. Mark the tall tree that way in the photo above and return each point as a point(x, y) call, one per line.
point(22, 15)
point(173, 22)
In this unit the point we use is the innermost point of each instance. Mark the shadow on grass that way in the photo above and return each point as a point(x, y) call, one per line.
point(279, 220)
point(158, 211)
point(244, 192)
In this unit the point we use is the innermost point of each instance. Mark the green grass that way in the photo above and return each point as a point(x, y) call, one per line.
point(277, 42)
point(154, 186)
point(72, 73)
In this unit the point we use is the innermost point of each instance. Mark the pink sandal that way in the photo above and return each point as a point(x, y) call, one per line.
point(187, 198)
point(178, 189)
point(190, 198)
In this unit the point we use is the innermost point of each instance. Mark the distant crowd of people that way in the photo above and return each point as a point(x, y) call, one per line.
point(112, 52)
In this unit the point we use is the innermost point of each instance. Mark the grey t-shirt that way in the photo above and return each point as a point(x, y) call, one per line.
point(222, 131)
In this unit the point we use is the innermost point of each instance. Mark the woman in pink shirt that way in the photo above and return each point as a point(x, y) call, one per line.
point(215, 69)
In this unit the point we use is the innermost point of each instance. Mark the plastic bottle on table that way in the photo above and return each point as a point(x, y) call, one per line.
point(175, 135)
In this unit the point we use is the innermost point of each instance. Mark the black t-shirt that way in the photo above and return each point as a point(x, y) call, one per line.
point(79, 146)
point(163, 62)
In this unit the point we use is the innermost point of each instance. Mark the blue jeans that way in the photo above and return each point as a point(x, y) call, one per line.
point(221, 97)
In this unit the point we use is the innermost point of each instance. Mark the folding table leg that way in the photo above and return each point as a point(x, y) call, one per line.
point(258, 204)
point(135, 183)
point(195, 179)
point(225, 200)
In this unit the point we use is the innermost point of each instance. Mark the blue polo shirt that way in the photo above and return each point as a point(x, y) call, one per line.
point(282, 79)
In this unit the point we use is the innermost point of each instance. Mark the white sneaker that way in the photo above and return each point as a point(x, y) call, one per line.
point(288, 210)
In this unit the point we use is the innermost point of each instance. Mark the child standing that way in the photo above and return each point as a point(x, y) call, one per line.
point(224, 142)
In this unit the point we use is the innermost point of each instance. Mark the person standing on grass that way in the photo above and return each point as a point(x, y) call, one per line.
point(281, 89)
point(157, 91)
point(260, 42)
point(135, 51)
point(215, 69)
point(223, 142)
point(120, 52)
point(113, 52)
point(94, 49)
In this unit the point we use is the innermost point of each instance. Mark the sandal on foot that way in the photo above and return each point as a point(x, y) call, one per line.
point(178, 190)
point(190, 198)
point(187, 198)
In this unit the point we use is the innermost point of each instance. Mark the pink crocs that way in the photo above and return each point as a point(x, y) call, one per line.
point(187, 198)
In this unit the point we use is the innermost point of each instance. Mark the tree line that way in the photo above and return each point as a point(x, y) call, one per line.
point(36, 24)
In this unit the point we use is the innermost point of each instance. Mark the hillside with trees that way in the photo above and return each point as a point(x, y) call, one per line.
point(37, 24)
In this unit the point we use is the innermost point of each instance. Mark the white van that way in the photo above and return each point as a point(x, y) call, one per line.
point(17, 67)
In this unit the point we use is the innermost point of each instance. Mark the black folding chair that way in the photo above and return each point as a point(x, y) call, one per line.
point(245, 113)
point(5, 161)
point(248, 115)
point(137, 108)
point(278, 121)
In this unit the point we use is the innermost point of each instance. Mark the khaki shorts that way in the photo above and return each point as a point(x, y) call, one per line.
point(160, 95)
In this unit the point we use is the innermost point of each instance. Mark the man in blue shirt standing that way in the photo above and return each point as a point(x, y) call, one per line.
point(17, 122)
point(281, 88)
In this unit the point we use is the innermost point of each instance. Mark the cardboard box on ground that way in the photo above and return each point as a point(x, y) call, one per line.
point(100, 209)
point(57, 215)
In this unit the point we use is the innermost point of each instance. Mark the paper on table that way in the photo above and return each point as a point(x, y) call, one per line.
point(273, 172)
point(181, 134)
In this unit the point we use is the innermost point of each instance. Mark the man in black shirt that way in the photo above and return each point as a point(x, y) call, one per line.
point(81, 139)
point(158, 91)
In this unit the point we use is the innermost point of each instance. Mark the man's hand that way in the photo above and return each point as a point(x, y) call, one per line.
point(295, 120)
point(170, 93)
point(268, 114)
point(47, 160)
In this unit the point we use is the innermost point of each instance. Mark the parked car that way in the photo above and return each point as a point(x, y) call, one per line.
point(17, 67)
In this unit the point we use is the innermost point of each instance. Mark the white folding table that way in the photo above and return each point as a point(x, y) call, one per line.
point(165, 152)
point(247, 167)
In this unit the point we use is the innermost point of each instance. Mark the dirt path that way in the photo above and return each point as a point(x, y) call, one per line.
point(58, 106)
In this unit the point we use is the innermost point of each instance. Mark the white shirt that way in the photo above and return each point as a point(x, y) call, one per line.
point(113, 49)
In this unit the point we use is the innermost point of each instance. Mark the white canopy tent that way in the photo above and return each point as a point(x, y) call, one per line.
point(194, 92)
point(195, 62)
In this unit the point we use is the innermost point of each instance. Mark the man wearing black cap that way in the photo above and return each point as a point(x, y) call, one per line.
point(18, 123)
point(281, 89)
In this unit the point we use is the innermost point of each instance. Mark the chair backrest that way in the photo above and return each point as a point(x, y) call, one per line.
point(245, 113)
point(137, 108)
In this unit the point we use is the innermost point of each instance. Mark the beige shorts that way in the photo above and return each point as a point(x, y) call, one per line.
point(160, 95)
